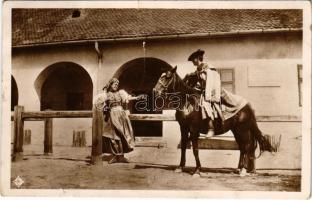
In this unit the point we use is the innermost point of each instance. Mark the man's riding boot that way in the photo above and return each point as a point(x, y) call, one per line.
point(211, 132)
point(218, 109)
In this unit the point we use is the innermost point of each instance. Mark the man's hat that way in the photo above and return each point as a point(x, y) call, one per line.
point(195, 54)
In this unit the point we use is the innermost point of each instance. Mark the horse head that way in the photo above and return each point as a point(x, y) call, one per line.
point(166, 82)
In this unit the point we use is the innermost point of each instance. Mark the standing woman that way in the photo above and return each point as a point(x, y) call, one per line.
point(117, 135)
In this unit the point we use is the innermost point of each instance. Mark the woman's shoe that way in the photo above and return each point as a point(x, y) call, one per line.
point(113, 160)
point(122, 159)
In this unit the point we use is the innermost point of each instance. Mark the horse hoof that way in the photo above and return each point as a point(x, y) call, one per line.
point(196, 175)
point(243, 172)
point(178, 170)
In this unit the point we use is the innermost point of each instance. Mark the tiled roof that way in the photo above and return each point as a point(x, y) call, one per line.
point(38, 26)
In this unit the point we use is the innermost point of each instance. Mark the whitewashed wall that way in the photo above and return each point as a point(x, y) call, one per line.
point(276, 56)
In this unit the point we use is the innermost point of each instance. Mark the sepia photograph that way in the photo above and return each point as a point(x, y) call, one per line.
point(156, 99)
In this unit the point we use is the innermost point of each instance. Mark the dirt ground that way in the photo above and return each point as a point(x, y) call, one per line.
point(149, 168)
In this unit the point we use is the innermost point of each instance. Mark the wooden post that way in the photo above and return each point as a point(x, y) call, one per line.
point(48, 135)
point(79, 139)
point(97, 127)
point(18, 133)
point(74, 138)
point(27, 137)
point(84, 141)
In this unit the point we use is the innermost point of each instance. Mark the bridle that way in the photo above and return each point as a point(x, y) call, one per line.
point(166, 86)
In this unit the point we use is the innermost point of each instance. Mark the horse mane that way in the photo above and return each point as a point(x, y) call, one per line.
point(181, 86)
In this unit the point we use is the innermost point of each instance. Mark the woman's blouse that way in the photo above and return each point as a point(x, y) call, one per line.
point(111, 98)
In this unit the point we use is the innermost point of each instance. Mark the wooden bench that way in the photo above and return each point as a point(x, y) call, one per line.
point(215, 143)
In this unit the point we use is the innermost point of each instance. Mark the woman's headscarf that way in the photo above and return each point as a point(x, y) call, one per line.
point(110, 82)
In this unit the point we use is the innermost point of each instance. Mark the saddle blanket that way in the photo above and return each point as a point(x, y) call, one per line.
point(231, 104)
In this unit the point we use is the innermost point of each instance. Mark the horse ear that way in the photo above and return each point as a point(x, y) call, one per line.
point(174, 70)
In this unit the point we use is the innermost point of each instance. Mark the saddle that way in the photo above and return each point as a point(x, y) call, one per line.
point(231, 104)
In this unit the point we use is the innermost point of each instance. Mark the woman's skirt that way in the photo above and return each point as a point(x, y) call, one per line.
point(118, 139)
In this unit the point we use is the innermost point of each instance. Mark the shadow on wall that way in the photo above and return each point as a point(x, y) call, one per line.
point(14, 93)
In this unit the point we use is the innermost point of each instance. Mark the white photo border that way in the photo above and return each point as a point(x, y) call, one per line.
point(6, 93)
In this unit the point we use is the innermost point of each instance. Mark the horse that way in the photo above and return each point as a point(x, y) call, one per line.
point(243, 124)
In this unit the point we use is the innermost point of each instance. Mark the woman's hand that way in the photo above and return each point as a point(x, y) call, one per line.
point(142, 96)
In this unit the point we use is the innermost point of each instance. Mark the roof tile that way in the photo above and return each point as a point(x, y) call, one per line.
point(36, 26)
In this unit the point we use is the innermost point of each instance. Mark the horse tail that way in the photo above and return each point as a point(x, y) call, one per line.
point(264, 141)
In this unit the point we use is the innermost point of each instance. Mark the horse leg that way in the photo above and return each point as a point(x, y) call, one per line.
point(184, 140)
point(243, 139)
point(240, 163)
point(248, 158)
point(194, 137)
point(241, 150)
point(249, 146)
point(251, 166)
point(249, 163)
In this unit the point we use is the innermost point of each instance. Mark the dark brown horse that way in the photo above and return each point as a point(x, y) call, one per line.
point(243, 124)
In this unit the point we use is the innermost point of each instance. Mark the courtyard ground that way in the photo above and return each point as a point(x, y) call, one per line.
point(151, 169)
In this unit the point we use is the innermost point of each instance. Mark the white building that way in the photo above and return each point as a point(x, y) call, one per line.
point(56, 65)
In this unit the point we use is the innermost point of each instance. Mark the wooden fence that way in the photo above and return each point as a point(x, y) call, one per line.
point(20, 116)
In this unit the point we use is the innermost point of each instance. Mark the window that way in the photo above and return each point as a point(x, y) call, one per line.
point(227, 79)
point(299, 68)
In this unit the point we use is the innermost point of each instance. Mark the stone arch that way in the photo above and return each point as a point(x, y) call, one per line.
point(144, 73)
point(139, 76)
point(14, 93)
point(64, 86)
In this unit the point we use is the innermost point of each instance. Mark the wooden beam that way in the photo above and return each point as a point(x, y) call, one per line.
point(163, 117)
point(157, 142)
point(40, 115)
point(18, 133)
point(57, 114)
point(279, 118)
point(34, 119)
point(152, 117)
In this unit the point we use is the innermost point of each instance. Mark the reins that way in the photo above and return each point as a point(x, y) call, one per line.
point(168, 84)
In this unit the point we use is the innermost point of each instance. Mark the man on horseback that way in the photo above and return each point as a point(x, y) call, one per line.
point(209, 84)
point(239, 117)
